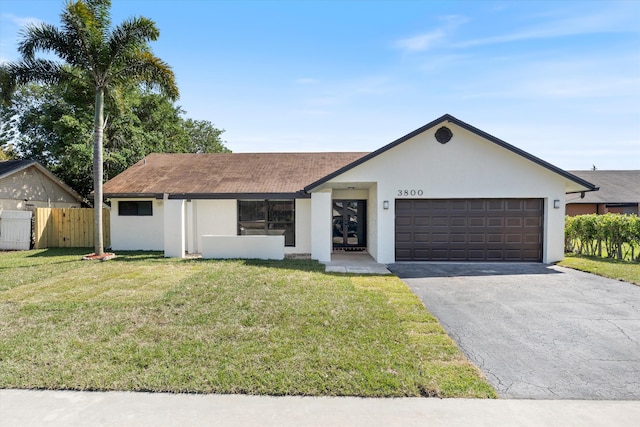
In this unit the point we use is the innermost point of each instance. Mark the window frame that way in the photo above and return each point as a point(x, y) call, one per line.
point(266, 208)
point(137, 203)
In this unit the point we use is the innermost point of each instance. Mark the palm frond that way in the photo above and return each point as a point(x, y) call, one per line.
point(42, 37)
point(149, 69)
point(36, 71)
point(131, 35)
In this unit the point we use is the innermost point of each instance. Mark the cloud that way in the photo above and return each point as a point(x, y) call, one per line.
point(421, 42)
point(428, 40)
point(21, 21)
point(306, 81)
point(609, 21)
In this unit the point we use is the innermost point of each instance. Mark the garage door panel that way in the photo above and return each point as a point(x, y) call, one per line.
point(421, 221)
point(530, 253)
point(440, 237)
point(403, 238)
point(495, 205)
point(407, 205)
point(476, 238)
point(458, 205)
point(458, 237)
point(469, 229)
point(514, 222)
point(422, 237)
point(458, 221)
point(533, 222)
point(495, 238)
point(533, 238)
point(495, 222)
point(513, 238)
point(440, 221)
point(533, 205)
point(403, 221)
point(513, 205)
point(477, 222)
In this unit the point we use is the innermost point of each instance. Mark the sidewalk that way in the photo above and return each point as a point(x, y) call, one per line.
point(354, 262)
point(67, 408)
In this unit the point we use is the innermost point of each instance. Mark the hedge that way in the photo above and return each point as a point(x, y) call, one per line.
point(610, 235)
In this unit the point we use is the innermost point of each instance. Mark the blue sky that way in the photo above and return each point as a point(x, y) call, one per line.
point(559, 79)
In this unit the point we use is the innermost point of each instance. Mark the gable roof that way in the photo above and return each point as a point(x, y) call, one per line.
point(10, 167)
point(450, 119)
point(616, 186)
point(225, 175)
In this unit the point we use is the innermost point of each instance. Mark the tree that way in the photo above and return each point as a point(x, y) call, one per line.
point(106, 59)
point(203, 137)
point(53, 125)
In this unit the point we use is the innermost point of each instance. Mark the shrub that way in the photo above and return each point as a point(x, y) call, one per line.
point(618, 236)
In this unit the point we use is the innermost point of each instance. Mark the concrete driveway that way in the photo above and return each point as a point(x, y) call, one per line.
point(537, 331)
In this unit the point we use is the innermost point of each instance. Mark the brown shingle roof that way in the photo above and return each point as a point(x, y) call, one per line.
point(225, 173)
point(616, 186)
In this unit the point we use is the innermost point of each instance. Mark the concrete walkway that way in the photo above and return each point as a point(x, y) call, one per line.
point(26, 408)
point(354, 262)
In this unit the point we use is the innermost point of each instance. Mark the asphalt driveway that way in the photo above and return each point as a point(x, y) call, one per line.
point(537, 331)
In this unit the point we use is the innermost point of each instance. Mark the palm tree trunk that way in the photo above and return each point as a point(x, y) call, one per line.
point(98, 133)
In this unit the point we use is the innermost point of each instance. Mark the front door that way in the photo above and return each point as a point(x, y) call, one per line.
point(350, 225)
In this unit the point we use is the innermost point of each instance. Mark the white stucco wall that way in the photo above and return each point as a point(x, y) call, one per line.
point(468, 166)
point(321, 225)
point(214, 217)
point(220, 218)
point(137, 232)
point(303, 228)
point(174, 228)
point(36, 188)
point(252, 247)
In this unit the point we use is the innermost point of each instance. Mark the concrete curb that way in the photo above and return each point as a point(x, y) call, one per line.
point(64, 408)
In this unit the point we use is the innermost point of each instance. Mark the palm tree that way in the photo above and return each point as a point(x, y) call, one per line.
point(106, 58)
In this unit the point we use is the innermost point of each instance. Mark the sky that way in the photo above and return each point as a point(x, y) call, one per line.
point(558, 79)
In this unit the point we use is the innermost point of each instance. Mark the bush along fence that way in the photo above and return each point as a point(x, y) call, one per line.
point(610, 235)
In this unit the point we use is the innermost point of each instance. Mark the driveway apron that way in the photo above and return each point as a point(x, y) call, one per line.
point(537, 331)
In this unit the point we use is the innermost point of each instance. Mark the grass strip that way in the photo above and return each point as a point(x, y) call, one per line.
point(611, 268)
point(145, 323)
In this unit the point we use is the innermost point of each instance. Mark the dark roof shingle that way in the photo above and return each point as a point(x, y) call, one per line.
point(9, 166)
point(616, 186)
point(226, 173)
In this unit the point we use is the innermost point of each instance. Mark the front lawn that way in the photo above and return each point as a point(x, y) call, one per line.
point(607, 267)
point(143, 322)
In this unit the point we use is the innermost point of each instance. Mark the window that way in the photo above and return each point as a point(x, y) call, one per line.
point(267, 217)
point(137, 208)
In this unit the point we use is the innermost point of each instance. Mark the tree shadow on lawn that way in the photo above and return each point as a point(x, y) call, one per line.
point(286, 264)
point(602, 259)
point(56, 252)
point(121, 256)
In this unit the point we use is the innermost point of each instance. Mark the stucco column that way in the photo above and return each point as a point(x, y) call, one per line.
point(553, 243)
point(190, 228)
point(174, 228)
point(321, 226)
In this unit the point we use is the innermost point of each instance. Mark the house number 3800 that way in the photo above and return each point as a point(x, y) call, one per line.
point(410, 192)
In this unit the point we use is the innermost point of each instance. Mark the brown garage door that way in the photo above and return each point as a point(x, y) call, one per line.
point(469, 230)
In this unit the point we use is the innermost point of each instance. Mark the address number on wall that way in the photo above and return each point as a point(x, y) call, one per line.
point(410, 193)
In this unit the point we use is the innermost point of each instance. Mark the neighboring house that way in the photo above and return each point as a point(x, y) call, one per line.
point(619, 193)
point(26, 184)
point(446, 191)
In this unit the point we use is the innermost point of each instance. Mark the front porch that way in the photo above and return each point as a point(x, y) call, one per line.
point(354, 262)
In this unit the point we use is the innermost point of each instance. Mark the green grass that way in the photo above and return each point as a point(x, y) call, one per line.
point(146, 323)
point(612, 268)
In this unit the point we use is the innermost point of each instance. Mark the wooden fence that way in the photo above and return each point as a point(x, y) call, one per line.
point(67, 228)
